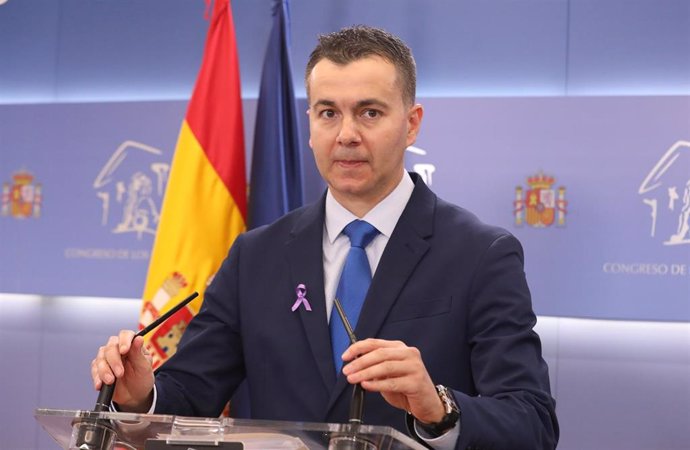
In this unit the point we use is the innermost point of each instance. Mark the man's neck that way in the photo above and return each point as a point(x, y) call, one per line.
point(357, 206)
point(360, 206)
point(384, 215)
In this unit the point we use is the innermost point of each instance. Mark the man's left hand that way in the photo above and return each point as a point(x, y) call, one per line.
point(398, 373)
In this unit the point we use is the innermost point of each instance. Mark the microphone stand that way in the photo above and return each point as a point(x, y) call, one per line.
point(352, 440)
point(98, 434)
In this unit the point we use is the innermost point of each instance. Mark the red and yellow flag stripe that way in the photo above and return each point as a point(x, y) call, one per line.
point(205, 204)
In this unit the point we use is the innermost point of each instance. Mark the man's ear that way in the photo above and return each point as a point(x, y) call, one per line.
point(414, 122)
point(308, 114)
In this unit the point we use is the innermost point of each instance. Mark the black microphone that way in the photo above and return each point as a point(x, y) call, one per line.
point(97, 434)
point(352, 441)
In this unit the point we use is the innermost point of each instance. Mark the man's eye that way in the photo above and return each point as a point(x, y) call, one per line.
point(327, 114)
point(371, 113)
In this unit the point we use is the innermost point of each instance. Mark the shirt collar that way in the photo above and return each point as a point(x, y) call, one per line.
point(384, 216)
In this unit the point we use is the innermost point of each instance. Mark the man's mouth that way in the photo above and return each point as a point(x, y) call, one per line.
point(350, 163)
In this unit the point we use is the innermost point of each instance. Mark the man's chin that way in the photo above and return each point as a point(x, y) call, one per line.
point(349, 188)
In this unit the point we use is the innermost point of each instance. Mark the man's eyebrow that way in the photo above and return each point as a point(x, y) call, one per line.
point(371, 102)
point(360, 104)
point(329, 103)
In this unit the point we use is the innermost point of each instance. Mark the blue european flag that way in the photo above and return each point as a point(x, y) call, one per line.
point(276, 173)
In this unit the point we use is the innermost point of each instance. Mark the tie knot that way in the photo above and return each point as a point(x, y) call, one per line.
point(360, 233)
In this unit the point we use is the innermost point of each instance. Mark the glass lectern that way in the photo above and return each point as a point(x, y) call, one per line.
point(88, 430)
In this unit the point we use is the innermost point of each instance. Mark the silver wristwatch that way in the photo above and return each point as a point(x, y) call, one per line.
point(451, 416)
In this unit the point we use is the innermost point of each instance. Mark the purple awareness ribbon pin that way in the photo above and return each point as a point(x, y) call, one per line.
point(301, 292)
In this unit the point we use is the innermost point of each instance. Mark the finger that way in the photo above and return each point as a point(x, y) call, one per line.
point(384, 370)
point(103, 369)
point(147, 355)
point(368, 345)
point(105, 372)
point(401, 385)
point(125, 340)
point(385, 363)
point(112, 360)
point(379, 356)
point(137, 347)
point(416, 388)
point(138, 357)
point(94, 375)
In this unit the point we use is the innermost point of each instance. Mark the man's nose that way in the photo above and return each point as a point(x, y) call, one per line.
point(349, 132)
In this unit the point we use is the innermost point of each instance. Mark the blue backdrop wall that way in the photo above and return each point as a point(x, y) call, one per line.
point(582, 106)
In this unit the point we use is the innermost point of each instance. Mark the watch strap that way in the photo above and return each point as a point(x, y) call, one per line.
point(450, 418)
point(448, 421)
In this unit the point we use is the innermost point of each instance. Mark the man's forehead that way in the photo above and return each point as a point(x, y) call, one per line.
point(372, 57)
point(328, 79)
point(325, 64)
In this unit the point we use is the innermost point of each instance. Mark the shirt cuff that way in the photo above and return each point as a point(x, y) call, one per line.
point(113, 405)
point(446, 441)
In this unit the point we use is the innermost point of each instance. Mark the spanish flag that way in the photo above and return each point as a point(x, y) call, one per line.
point(205, 205)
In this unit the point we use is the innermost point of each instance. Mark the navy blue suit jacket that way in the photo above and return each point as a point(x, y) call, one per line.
point(446, 283)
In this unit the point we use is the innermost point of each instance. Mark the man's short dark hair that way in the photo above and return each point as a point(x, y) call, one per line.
point(361, 41)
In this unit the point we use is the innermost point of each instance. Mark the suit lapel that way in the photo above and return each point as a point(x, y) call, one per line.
point(403, 252)
point(304, 252)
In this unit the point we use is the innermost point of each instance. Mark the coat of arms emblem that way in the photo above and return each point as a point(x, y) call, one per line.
point(162, 344)
point(541, 206)
point(22, 197)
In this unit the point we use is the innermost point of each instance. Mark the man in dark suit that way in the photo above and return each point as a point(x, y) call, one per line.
point(445, 327)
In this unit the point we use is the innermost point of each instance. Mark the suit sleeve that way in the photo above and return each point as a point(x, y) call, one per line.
point(208, 365)
point(514, 409)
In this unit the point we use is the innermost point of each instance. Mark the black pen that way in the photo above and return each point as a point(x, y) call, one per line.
point(105, 396)
point(343, 317)
point(357, 404)
point(165, 316)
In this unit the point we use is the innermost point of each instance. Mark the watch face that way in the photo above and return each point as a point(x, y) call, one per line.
point(447, 399)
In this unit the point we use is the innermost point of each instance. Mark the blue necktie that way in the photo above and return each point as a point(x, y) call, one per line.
point(352, 287)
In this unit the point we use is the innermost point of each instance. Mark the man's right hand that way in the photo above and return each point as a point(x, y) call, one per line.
point(129, 363)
